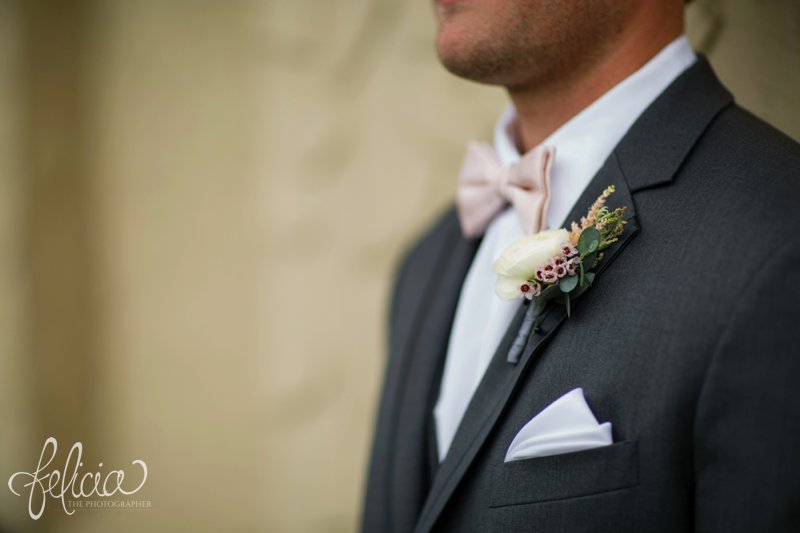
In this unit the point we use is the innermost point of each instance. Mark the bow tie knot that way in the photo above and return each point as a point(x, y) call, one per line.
point(503, 181)
point(485, 187)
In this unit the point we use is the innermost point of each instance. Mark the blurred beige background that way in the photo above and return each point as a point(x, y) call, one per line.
point(201, 203)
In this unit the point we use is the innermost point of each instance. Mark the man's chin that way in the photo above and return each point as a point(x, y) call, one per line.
point(455, 52)
point(464, 52)
point(470, 65)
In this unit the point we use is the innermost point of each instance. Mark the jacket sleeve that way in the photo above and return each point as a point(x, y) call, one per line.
point(747, 425)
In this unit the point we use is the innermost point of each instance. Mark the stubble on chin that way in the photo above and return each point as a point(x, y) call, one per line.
point(494, 64)
point(519, 50)
point(484, 56)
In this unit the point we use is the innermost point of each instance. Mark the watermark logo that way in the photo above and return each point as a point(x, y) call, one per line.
point(71, 486)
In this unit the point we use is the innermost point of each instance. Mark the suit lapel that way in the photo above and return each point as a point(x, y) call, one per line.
point(649, 155)
point(423, 356)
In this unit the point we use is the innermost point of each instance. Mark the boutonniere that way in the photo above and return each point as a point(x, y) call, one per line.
point(558, 264)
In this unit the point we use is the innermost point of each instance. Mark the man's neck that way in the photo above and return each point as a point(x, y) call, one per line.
point(543, 107)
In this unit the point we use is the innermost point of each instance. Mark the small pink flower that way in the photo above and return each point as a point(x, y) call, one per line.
point(537, 288)
point(548, 273)
point(530, 289)
point(569, 250)
point(550, 276)
point(572, 265)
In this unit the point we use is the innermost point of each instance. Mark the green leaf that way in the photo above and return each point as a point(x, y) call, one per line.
point(590, 261)
point(589, 241)
point(548, 294)
point(568, 284)
point(588, 279)
point(579, 291)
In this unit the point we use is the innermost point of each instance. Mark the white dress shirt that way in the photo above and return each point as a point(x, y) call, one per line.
point(582, 146)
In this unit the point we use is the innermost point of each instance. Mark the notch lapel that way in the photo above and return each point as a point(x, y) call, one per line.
point(413, 380)
point(649, 155)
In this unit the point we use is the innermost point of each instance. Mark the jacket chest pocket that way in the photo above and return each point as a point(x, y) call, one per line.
point(568, 475)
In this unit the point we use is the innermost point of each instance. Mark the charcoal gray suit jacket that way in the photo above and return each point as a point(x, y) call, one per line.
point(688, 343)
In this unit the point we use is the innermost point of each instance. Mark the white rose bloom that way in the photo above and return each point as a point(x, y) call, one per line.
point(518, 262)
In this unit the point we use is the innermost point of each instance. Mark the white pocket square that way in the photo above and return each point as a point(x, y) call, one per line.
point(566, 425)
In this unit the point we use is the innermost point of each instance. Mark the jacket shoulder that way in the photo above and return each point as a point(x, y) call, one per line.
point(742, 160)
point(753, 146)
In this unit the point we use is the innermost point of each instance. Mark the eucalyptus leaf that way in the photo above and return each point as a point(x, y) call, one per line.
point(548, 294)
point(589, 241)
point(590, 261)
point(579, 290)
point(568, 284)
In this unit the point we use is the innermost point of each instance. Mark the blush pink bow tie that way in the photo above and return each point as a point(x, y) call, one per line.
point(485, 187)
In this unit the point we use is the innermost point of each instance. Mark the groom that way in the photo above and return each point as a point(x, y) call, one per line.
point(668, 399)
